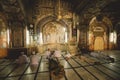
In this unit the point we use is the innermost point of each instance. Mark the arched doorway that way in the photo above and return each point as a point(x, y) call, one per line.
point(52, 33)
point(99, 33)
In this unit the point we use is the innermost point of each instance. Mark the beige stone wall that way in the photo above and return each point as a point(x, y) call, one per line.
point(52, 46)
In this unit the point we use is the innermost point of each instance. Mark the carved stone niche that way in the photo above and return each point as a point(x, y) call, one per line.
point(98, 31)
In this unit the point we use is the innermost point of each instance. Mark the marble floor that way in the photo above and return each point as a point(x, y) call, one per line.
point(75, 69)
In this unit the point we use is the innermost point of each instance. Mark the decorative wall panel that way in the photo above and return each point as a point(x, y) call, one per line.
point(18, 37)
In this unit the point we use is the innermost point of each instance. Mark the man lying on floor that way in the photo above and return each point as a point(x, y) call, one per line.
point(102, 55)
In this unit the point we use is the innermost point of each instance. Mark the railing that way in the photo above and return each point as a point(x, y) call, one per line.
point(52, 46)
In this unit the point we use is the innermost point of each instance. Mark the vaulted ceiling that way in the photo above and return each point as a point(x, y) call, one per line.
point(27, 11)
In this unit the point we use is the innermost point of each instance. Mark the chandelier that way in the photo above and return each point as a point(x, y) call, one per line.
point(59, 10)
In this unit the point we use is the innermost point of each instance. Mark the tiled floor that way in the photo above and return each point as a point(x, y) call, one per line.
point(75, 69)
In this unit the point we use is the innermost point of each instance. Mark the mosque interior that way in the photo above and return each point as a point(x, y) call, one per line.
point(79, 27)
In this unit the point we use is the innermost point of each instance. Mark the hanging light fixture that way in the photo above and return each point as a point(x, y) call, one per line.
point(59, 10)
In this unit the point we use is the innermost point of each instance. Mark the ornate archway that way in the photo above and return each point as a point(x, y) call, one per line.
point(99, 33)
point(52, 33)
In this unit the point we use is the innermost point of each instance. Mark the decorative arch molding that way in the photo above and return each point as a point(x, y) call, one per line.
point(105, 22)
point(43, 21)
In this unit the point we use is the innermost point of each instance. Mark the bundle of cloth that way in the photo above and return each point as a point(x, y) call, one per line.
point(102, 55)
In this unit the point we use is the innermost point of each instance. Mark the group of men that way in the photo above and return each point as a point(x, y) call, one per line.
point(53, 53)
point(33, 59)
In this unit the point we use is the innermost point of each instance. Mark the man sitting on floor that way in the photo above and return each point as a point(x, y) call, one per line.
point(34, 59)
point(22, 59)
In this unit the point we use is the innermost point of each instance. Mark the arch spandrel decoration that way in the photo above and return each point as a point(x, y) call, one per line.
point(99, 33)
point(43, 21)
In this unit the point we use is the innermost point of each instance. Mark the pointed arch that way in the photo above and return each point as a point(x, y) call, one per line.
point(100, 30)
